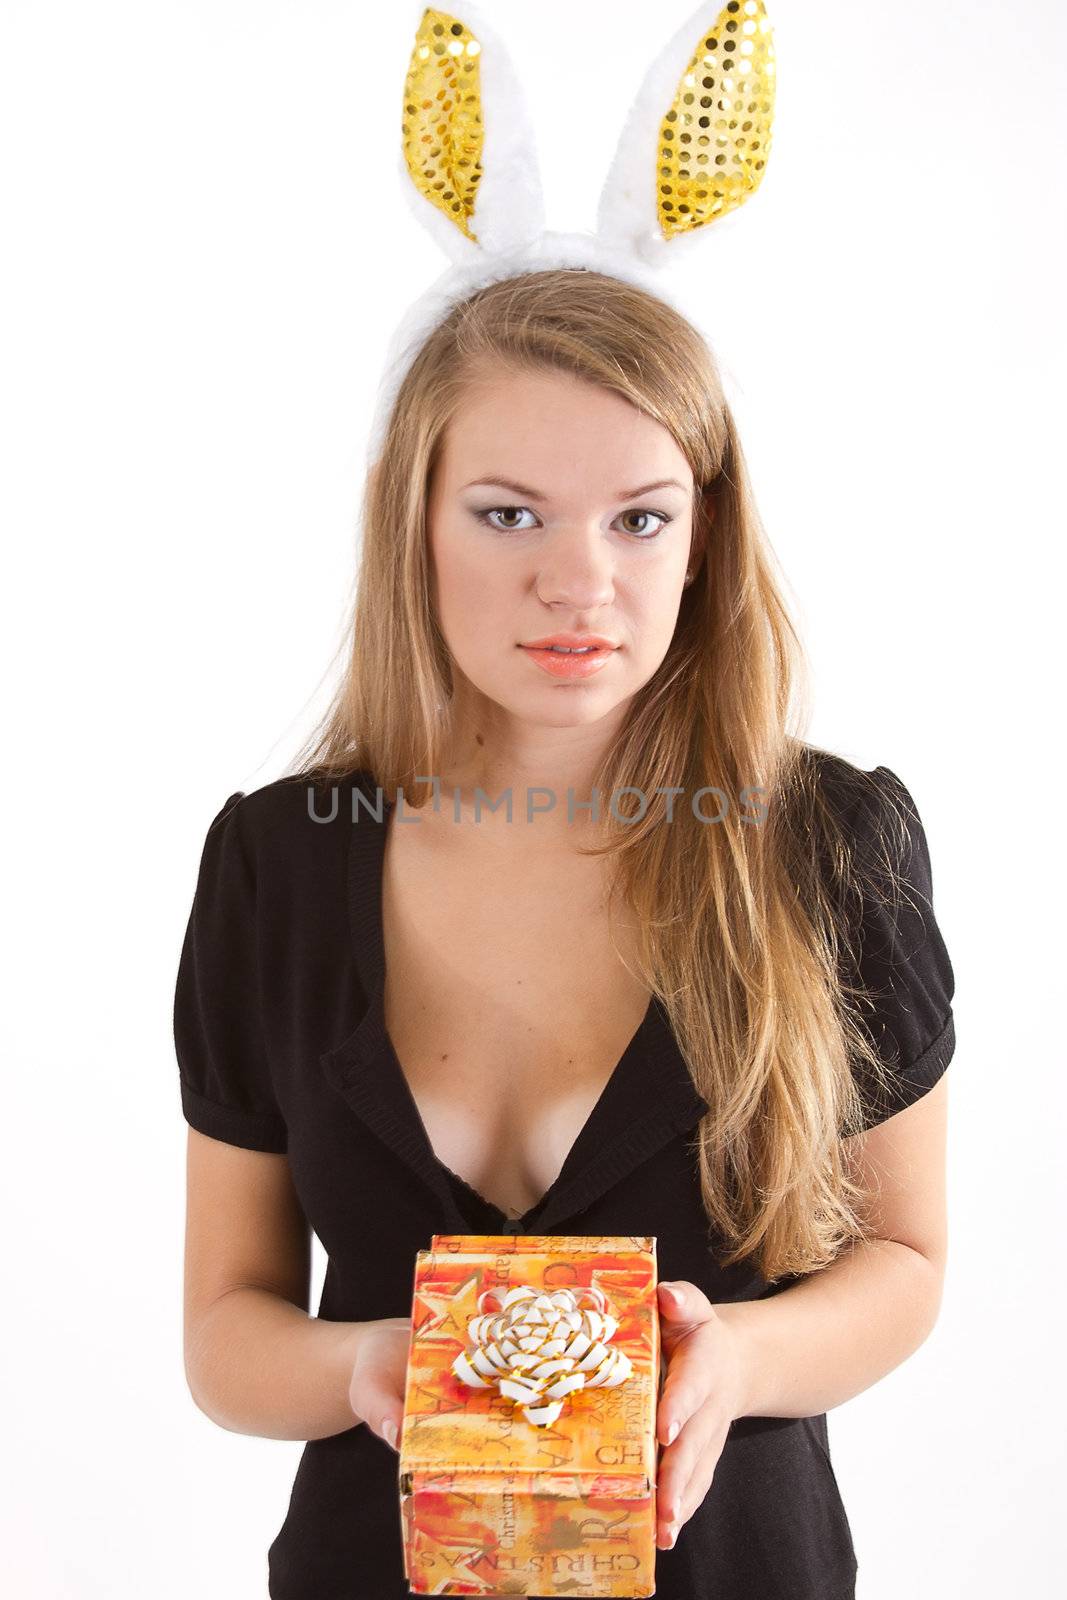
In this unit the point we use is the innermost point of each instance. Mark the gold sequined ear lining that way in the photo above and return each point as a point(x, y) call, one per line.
point(716, 137)
point(442, 127)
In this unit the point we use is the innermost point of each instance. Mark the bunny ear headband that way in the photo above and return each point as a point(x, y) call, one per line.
point(693, 148)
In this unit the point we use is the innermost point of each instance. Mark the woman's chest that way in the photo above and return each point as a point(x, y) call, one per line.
point(507, 1004)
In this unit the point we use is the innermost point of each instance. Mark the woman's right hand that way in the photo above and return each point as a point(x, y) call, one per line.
point(379, 1374)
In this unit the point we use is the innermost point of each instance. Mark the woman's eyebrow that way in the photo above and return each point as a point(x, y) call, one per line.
point(535, 494)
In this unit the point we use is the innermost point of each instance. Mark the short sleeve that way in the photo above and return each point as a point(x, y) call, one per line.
point(896, 956)
point(223, 1069)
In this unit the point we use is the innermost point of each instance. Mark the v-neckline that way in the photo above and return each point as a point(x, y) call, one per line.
point(648, 1095)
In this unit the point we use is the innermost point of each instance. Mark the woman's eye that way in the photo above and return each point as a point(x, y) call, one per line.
point(640, 533)
point(508, 512)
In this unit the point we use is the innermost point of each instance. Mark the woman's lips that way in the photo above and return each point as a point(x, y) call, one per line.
point(558, 665)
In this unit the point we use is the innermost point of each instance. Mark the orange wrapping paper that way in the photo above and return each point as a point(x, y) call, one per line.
point(490, 1503)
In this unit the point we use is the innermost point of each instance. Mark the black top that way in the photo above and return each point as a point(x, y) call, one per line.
point(281, 1046)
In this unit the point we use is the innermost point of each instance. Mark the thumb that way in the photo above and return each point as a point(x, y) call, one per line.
point(682, 1305)
point(376, 1389)
point(377, 1404)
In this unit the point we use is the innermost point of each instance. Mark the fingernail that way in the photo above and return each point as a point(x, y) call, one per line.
point(672, 1432)
point(672, 1533)
point(670, 1291)
point(389, 1432)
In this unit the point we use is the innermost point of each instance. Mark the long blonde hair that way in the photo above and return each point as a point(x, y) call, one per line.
point(740, 925)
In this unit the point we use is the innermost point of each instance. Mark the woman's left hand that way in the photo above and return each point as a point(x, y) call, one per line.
point(702, 1394)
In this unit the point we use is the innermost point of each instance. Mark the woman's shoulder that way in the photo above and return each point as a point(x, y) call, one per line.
point(844, 783)
point(872, 806)
point(293, 819)
point(856, 835)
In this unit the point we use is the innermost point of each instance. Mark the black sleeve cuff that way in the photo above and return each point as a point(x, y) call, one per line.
point(253, 1130)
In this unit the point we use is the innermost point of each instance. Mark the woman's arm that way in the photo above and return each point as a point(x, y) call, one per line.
point(255, 1361)
point(260, 1365)
point(831, 1336)
point(825, 1339)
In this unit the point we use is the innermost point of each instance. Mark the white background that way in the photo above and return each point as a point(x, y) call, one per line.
point(206, 247)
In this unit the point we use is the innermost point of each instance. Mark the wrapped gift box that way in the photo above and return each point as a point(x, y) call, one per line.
point(528, 1453)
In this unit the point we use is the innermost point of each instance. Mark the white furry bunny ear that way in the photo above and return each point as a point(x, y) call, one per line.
point(468, 157)
point(697, 138)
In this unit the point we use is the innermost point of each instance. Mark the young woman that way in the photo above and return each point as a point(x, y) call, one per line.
point(716, 1010)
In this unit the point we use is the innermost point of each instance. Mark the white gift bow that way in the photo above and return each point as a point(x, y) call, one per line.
point(540, 1347)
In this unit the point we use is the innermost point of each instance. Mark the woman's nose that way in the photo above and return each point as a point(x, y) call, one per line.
point(576, 570)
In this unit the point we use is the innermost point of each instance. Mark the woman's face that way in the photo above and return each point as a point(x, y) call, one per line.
point(557, 508)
